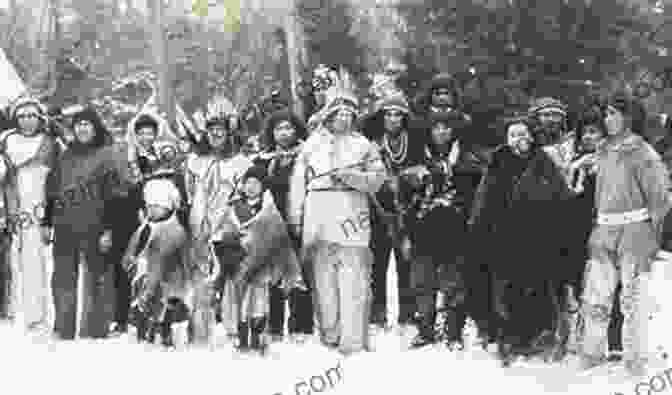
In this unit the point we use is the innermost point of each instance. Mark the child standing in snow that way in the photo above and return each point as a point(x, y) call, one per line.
point(253, 221)
point(156, 262)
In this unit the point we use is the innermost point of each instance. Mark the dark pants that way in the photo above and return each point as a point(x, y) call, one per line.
point(526, 313)
point(122, 295)
point(300, 311)
point(301, 308)
point(616, 324)
point(97, 286)
point(5, 278)
point(430, 275)
point(381, 246)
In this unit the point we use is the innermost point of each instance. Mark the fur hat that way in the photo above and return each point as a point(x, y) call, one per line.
point(162, 192)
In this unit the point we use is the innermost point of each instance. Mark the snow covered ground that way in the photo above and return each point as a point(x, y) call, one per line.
point(36, 364)
point(39, 365)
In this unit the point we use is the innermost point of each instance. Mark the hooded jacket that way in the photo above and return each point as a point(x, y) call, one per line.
point(85, 182)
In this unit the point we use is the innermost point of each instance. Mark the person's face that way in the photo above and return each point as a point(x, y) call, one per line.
point(393, 120)
point(156, 212)
point(614, 121)
point(519, 138)
point(592, 135)
point(84, 132)
point(29, 119)
point(146, 136)
point(218, 135)
point(284, 134)
point(441, 134)
point(252, 188)
point(442, 97)
point(342, 121)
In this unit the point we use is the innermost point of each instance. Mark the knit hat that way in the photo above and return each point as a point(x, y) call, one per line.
point(25, 102)
point(394, 102)
point(162, 192)
point(144, 121)
point(548, 104)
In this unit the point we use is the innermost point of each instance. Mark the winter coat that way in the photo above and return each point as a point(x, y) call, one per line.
point(519, 218)
point(270, 256)
point(82, 189)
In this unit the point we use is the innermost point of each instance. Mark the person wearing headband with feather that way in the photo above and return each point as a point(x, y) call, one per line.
point(213, 176)
point(284, 136)
point(403, 146)
point(30, 154)
point(81, 194)
point(334, 177)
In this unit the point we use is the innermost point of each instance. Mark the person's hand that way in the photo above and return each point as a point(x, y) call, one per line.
point(105, 241)
point(45, 233)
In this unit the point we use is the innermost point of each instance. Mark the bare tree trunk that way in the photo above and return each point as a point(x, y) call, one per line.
point(203, 64)
point(162, 63)
point(293, 54)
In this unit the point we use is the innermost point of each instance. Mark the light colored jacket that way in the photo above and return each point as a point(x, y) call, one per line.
point(632, 176)
point(332, 211)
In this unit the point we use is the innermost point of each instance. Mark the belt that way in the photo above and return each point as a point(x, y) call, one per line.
point(629, 217)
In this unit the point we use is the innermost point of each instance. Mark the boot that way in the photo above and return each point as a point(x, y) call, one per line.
point(425, 334)
point(243, 337)
point(258, 328)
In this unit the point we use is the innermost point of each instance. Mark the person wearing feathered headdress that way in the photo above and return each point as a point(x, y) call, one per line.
point(213, 176)
point(323, 79)
point(30, 153)
point(334, 176)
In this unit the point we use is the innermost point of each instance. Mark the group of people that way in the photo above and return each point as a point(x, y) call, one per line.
point(542, 241)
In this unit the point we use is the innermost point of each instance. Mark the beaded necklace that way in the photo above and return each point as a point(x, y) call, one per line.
point(397, 157)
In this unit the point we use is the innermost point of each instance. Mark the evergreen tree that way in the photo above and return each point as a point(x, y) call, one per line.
point(328, 28)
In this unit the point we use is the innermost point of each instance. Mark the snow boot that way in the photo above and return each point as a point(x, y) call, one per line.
point(243, 337)
point(426, 335)
point(257, 329)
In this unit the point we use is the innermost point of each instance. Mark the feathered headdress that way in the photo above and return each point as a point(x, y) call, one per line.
point(340, 96)
point(219, 110)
